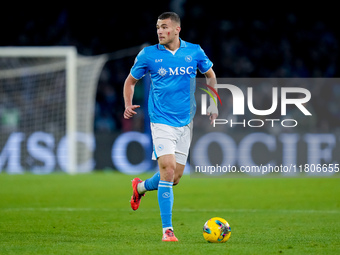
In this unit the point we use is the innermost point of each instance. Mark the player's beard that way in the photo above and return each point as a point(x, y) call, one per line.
point(164, 41)
point(167, 41)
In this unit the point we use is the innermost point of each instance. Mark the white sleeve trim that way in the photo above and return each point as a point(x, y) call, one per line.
point(207, 70)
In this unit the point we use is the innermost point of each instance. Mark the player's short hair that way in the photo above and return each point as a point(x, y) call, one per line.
point(170, 15)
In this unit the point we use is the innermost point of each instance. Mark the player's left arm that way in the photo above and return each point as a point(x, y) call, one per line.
point(211, 81)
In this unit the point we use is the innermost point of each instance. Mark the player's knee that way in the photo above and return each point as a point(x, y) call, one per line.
point(168, 173)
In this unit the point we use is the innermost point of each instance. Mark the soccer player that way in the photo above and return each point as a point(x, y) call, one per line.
point(171, 63)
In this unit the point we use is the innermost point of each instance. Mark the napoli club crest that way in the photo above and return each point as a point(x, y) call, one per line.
point(188, 58)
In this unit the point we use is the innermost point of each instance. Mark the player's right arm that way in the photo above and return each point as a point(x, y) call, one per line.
point(128, 91)
point(138, 70)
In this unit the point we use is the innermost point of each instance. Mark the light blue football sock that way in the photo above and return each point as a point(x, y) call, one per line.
point(165, 201)
point(152, 183)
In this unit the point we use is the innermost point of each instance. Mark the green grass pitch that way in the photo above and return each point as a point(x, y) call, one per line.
point(91, 214)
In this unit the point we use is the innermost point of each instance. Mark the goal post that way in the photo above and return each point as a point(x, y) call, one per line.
point(71, 107)
point(69, 81)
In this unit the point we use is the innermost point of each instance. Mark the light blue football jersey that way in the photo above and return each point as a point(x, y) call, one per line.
point(171, 99)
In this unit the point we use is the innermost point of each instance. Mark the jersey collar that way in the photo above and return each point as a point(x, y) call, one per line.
point(182, 45)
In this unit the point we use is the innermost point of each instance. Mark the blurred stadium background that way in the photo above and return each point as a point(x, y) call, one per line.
point(252, 41)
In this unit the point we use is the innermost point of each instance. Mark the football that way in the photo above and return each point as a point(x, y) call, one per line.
point(216, 230)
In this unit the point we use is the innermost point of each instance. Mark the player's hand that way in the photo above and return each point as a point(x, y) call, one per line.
point(212, 111)
point(212, 117)
point(130, 111)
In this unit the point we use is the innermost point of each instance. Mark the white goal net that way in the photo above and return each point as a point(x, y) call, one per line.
point(47, 99)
